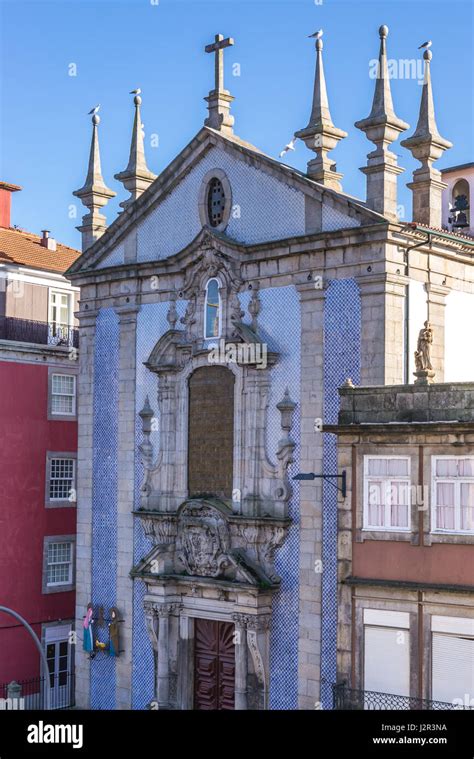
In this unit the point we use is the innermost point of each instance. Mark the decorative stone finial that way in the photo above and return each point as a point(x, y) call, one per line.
point(219, 99)
point(136, 177)
point(286, 408)
point(321, 135)
point(382, 127)
point(94, 194)
point(427, 145)
point(348, 382)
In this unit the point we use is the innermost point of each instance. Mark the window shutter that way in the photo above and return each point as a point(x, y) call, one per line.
point(58, 632)
point(453, 668)
point(386, 660)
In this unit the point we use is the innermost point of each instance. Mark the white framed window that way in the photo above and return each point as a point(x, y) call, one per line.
point(212, 310)
point(59, 563)
point(387, 493)
point(452, 494)
point(58, 309)
point(63, 394)
point(62, 474)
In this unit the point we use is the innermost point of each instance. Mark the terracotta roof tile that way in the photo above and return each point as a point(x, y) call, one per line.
point(24, 248)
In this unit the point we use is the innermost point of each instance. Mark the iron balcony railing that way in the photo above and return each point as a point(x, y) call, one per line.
point(41, 333)
point(30, 694)
point(365, 700)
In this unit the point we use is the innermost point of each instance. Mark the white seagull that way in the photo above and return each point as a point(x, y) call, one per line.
point(425, 45)
point(94, 110)
point(287, 148)
point(317, 35)
point(135, 92)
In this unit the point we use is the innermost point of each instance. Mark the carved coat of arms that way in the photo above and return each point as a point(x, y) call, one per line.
point(203, 540)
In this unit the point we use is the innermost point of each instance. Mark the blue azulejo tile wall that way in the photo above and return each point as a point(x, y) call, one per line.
point(104, 496)
point(342, 349)
point(151, 326)
point(279, 326)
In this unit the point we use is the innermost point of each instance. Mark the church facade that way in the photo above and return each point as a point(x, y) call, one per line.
point(219, 314)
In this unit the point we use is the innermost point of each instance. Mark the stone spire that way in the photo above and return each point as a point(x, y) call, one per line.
point(321, 135)
point(94, 194)
point(136, 177)
point(382, 127)
point(427, 145)
point(219, 99)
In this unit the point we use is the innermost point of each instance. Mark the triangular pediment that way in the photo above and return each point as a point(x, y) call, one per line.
point(338, 208)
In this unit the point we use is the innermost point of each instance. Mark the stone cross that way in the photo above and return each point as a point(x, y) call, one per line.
point(218, 48)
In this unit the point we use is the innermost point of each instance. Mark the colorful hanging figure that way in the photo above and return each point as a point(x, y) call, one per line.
point(114, 632)
point(88, 639)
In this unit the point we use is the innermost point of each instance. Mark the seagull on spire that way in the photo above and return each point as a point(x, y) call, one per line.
point(317, 35)
point(94, 110)
point(135, 92)
point(425, 45)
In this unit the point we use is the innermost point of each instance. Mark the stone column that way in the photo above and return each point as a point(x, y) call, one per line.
point(163, 665)
point(241, 663)
point(383, 328)
point(125, 487)
point(311, 460)
point(436, 316)
point(85, 390)
point(258, 640)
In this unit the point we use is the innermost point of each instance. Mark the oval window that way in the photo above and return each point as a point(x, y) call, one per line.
point(215, 202)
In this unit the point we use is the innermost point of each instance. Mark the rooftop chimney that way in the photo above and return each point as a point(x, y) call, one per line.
point(5, 202)
point(47, 241)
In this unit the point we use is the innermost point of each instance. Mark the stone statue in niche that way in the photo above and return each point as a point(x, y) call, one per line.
point(423, 348)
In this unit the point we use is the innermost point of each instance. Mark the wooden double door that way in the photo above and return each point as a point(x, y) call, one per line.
point(214, 665)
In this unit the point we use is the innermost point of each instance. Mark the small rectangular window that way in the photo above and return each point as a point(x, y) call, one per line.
point(61, 479)
point(63, 394)
point(453, 494)
point(59, 564)
point(387, 493)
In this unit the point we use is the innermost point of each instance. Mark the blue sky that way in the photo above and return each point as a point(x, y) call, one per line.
point(117, 46)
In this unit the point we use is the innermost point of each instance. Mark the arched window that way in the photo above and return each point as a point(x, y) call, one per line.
point(460, 205)
point(215, 202)
point(212, 321)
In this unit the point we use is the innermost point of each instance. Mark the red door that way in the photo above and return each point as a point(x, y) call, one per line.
point(214, 664)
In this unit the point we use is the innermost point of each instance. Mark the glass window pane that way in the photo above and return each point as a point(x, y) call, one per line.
point(397, 467)
point(212, 309)
point(445, 495)
point(378, 467)
point(376, 503)
point(446, 467)
point(467, 506)
point(466, 468)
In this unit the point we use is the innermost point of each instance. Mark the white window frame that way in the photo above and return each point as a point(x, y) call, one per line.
point(73, 396)
point(457, 496)
point(50, 479)
point(56, 291)
point(219, 311)
point(377, 528)
point(69, 581)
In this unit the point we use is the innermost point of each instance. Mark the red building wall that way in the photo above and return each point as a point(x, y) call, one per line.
point(25, 437)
